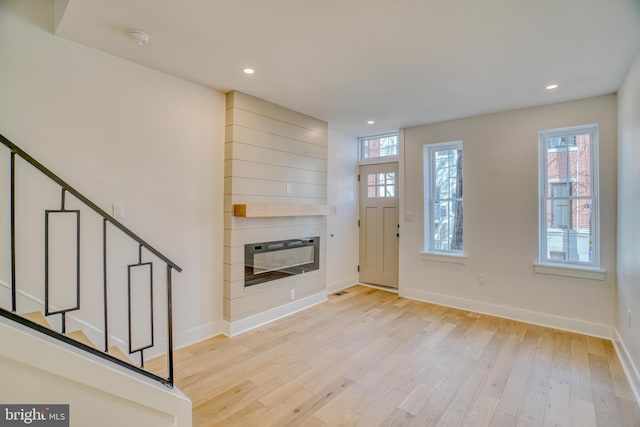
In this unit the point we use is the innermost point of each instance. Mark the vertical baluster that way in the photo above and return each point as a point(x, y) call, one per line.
point(169, 327)
point(78, 254)
point(46, 268)
point(129, 309)
point(13, 231)
point(104, 284)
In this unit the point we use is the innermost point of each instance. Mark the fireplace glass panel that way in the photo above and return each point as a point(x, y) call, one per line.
point(282, 259)
point(268, 261)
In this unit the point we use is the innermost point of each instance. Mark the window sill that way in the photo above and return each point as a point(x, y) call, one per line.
point(440, 257)
point(570, 271)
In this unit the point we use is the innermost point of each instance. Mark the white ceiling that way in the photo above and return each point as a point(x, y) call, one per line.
point(400, 63)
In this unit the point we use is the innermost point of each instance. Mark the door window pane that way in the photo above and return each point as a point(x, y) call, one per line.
point(381, 185)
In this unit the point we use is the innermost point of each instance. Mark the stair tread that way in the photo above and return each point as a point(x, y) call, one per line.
point(118, 354)
point(80, 336)
point(37, 317)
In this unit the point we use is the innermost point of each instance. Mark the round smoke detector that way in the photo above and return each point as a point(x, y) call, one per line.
point(138, 36)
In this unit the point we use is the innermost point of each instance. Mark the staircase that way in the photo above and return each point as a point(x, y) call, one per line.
point(77, 335)
point(115, 310)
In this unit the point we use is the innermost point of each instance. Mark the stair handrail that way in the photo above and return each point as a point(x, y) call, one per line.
point(14, 148)
point(106, 218)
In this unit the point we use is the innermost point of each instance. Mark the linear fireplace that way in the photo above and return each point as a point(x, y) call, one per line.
point(268, 261)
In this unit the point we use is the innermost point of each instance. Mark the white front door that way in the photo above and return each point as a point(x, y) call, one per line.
point(379, 230)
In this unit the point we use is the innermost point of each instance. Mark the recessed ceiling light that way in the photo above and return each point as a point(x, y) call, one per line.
point(551, 87)
point(370, 122)
point(138, 36)
point(249, 71)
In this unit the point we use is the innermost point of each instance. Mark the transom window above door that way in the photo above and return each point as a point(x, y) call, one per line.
point(380, 148)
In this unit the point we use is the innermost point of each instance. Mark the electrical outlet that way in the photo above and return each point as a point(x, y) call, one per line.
point(482, 279)
point(292, 294)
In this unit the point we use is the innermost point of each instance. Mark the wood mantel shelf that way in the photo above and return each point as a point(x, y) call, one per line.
point(263, 210)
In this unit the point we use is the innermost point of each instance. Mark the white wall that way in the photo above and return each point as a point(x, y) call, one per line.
point(628, 295)
point(501, 219)
point(118, 131)
point(342, 228)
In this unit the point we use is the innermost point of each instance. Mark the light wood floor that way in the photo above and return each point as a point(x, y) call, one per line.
point(371, 358)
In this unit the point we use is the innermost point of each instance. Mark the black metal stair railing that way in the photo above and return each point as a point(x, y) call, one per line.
point(62, 311)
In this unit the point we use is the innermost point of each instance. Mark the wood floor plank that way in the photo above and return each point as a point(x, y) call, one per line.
point(620, 383)
point(595, 346)
point(307, 410)
point(580, 370)
point(559, 395)
point(398, 418)
point(500, 370)
point(338, 411)
point(482, 412)
point(515, 387)
point(500, 419)
point(533, 406)
point(583, 413)
point(558, 400)
point(370, 358)
point(444, 390)
point(466, 395)
point(629, 412)
point(604, 397)
point(379, 409)
point(414, 401)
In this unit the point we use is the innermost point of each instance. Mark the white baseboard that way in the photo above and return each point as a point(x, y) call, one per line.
point(599, 330)
point(630, 369)
point(243, 325)
point(199, 333)
point(186, 338)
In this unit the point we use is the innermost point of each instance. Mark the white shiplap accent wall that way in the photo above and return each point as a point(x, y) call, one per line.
point(268, 147)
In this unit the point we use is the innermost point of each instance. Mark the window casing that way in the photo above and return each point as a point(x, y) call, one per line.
point(568, 197)
point(380, 148)
point(443, 183)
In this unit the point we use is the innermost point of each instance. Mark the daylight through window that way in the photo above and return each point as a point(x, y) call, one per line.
point(569, 196)
point(444, 219)
point(379, 147)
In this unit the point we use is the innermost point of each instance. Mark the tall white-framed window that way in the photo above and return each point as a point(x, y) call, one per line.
point(443, 211)
point(379, 148)
point(568, 197)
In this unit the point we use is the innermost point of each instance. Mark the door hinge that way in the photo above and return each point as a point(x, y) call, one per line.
point(358, 269)
point(358, 223)
point(358, 177)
